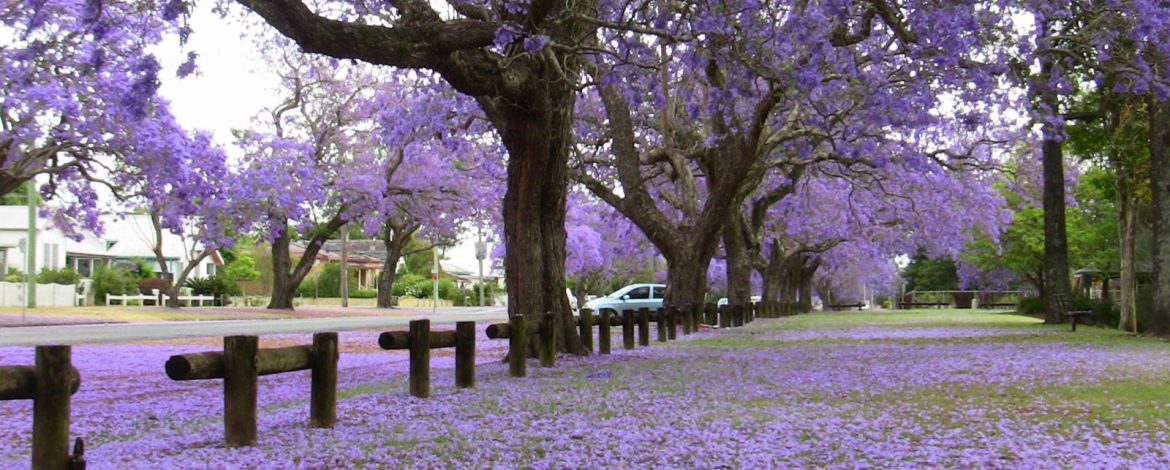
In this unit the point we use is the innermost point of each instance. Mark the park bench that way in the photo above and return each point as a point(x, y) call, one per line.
point(908, 305)
point(840, 307)
point(1073, 315)
point(996, 305)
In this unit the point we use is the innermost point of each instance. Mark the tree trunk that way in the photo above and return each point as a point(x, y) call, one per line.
point(538, 140)
point(739, 259)
point(1056, 270)
point(1160, 193)
point(808, 268)
point(1127, 212)
point(282, 286)
point(394, 239)
point(285, 277)
point(686, 277)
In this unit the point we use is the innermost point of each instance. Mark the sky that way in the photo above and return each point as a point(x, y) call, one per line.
point(232, 84)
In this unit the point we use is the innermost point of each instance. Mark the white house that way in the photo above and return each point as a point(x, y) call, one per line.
point(125, 239)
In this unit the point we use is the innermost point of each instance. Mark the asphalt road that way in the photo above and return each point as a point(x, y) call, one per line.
point(127, 332)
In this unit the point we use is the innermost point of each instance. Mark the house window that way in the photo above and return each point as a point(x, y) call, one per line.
point(210, 270)
point(3, 262)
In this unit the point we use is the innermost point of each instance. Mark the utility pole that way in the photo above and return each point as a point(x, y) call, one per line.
point(435, 278)
point(30, 267)
point(480, 255)
point(344, 288)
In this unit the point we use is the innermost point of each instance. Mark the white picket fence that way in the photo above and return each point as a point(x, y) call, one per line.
point(48, 295)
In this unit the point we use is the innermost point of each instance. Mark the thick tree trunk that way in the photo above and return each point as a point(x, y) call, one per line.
point(686, 279)
point(538, 142)
point(282, 285)
point(1056, 269)
point(286, 277)
point(808, 269)
point(389, 271)
point(1160, 182)
point(739, 259)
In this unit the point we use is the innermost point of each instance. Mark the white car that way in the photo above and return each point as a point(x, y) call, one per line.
point(631, 297)
point(572, 299)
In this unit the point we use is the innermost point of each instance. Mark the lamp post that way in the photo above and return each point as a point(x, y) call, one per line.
point(480, 255)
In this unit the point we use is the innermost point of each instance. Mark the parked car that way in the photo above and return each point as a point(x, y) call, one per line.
point(631, 297)
point(572, 299)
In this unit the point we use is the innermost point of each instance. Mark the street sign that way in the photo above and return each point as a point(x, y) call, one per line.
point(480, 250)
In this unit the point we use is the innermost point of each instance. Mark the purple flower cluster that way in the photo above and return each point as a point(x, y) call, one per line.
point(756, 397)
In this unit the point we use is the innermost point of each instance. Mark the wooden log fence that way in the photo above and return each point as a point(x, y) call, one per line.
point(420, 340)
point(50, 383)
point(242, 361)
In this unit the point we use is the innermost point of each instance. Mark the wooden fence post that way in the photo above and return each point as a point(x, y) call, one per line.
point(53, 376)
point(465, 354)
point(684, 318)
point(644, 326)
point(628, 329)
point(604, 342)
point(586, 329)
point(517, 346)
point(724, 316)
point(239, 390)
point(672, 323)
point(323, 388)
point(711, 315)
point(548, 340)
point(420, 358)
point(660, 323)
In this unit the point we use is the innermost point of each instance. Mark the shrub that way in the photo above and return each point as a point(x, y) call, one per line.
point(307, 288)
point(404, 284)
point(1031, 306)
point(65, 276)
point(110, 280)
point(329, 280)
point(148, 285)
point(14, 275)
point(218, 286)
point(364, 294)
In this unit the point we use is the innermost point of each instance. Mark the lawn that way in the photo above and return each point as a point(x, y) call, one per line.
point(906, 390)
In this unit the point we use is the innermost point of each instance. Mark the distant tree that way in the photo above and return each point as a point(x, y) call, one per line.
point(927, 274)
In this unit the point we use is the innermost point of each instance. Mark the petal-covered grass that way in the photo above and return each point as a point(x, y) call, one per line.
point(852, 390)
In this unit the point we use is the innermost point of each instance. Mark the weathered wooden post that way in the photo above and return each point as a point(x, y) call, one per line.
point(517, 347)
point(684, 318)
point(53, 377)
point(239, 389)
point(712, 314)
point(724, 316)
point(419, 345)
point(672, 323)
point(323, 388)
point(627, 329)
point(644, 326)
point(585, 324)
point(604, 343)
point(660, 323)
point(465, 354)
point(548, 340)
point(737, 315)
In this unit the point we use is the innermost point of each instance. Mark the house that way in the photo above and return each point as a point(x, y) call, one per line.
point(125, 240)
point(366, 256)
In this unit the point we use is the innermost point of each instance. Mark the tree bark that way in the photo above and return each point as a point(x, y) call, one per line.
point(739, 259)
point(1127, 213)
point(538, 139)
point(1056, 268)
point(1160, 193)
point(808, 269)
point(394, 238)
point(285, 277)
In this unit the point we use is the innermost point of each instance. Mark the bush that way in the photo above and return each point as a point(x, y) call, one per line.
point(329, 280)
point(148, 285)
point(1031, 306)
point(364, 294)
point(110, 280)
point(14, 275)
point(404, 285)
point(307, 288)
point(65, 276)
point(218, 286)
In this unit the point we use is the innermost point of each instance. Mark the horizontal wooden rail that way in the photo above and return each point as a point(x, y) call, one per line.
point(20, 382)
point(210, 365)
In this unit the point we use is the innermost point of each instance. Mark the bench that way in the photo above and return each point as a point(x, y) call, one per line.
point(840, 307)
point(909, 305)
point(1073, 315)
point(995, 305)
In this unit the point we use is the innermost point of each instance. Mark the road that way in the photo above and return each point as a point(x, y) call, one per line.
point(127, 332)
